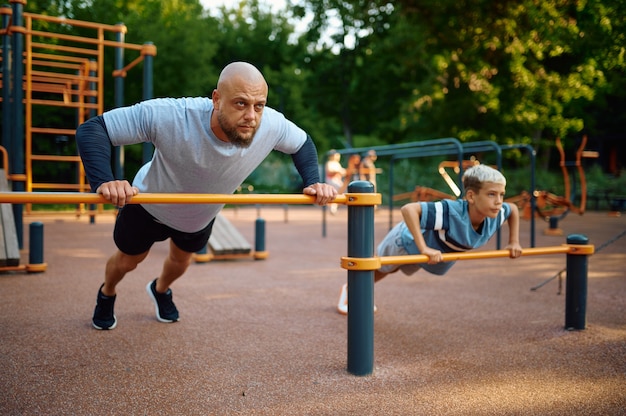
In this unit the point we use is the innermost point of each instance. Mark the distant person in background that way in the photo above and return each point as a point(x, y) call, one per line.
point(334, 174)
point(352, 172)
point(367, 171)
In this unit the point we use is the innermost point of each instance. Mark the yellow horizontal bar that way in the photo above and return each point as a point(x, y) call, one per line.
point(362, 199)
point(355, 263)
point(374, 263)
point(148, 198)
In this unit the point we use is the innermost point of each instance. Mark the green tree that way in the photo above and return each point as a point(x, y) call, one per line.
point(251, 32)
point(342, 39)
point(506, 71)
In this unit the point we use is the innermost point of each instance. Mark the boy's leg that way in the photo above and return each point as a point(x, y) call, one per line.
point(378, 275)
point(342, 305)
point(391, 245)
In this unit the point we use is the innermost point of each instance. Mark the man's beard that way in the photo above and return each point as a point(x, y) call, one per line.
point(233, 135)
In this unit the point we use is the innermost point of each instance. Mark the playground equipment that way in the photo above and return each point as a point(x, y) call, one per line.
point(227, 243)
point(548, 206)
point(61, 71)
point(390, 150)
point(450, 146)
point(422, 193)
point(554, 208)
point(9, 245)
point(359, 262)
point(440, 147)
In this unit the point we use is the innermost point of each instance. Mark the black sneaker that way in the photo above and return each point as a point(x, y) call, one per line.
point(103, 316)
point(165, 309)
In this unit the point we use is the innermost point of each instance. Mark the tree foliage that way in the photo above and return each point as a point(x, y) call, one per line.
point(393, 71)
point(508, 71)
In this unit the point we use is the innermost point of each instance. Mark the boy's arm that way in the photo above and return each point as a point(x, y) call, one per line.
point(514, 246)
point(412, 213)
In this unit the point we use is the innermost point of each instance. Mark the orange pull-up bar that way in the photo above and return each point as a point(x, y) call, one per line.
point(163, 198)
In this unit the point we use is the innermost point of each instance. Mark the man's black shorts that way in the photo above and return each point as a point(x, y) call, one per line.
point(136, 231)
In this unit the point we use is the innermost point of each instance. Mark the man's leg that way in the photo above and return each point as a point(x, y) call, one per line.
point(116, 268)
point(159, 290)
point(174, 266)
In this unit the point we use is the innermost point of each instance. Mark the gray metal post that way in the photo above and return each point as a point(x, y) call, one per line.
point(6, 87)
point(35, 255)
point(259, 235)
point(148, 92)
point(17, 159)
point(360, 285)
point(576, 286)
point(118, 97)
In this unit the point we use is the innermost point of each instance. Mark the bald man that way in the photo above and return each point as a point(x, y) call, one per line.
point(202, 145)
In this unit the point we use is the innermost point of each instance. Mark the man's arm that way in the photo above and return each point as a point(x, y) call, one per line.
point(94, 147)
point(305, 161)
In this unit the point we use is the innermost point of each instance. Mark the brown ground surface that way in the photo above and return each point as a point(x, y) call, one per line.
point(263, 337)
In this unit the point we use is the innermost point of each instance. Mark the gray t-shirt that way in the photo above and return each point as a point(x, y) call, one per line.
point(189, 158)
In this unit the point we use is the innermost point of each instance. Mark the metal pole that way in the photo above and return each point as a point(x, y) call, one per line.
point(35, 255)
point(576, 286)
point(16, 157)
point(6, 87)
point(259, 235)
point(118, 97)
point(148, 93)
point(360, 285)
point(93, 86)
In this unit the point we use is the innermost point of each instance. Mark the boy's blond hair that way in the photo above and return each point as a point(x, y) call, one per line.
point(477, 175)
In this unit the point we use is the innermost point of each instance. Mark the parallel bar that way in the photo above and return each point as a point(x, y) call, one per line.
point(373, 263)
point(147, 198)
point(488, 254)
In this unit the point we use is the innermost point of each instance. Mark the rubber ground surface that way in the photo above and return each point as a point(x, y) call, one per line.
point(263, 337)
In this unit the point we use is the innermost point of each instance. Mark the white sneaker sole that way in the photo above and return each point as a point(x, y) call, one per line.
point(156, 306)
point(105, 329)
point(342, 305)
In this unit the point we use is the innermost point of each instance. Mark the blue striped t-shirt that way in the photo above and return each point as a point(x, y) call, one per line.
point(446, 226)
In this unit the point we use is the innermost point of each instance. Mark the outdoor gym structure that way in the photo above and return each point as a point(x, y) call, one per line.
point(546, 205)
point(443, 147)
point(51, 69)
point(360, 261)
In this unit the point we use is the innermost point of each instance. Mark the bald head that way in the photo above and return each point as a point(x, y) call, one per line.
point(240, 73)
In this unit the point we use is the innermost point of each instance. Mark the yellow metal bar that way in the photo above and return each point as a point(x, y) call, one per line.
point(373, 263)
point(79, 23)
point(58, 186)
point(55, 158)
point(360, 199)
point(147, 198)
